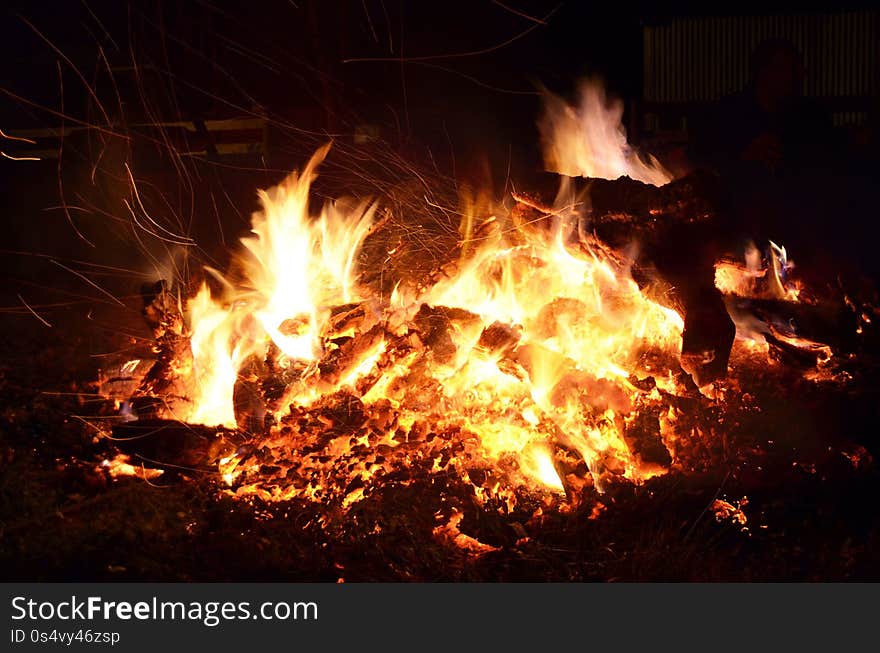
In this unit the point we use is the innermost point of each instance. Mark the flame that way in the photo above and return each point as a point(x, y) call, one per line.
point(450, 532)
point(758, 276)
point(538, 461)
point(295, 268)
point(536, 331)
point(120, 465)
point(578, 323)
point(588, 140)
point(299, 266)
point(529, 361)
point(216, 358)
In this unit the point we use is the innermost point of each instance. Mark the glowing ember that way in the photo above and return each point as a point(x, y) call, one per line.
point(450, 532)
point(727, 512)
point(120, 465)
point(529, 344)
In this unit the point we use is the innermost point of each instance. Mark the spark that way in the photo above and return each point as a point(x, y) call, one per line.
point(519, 13)
point(460, 55)
point(88, 281)
point(34, 313)
point(17, 138)
point(19, 158)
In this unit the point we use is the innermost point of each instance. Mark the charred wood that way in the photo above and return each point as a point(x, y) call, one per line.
point(173, 445)
point(680, 229)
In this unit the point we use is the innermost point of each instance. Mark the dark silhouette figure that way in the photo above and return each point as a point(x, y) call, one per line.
point(769, 151)
point(774, 149)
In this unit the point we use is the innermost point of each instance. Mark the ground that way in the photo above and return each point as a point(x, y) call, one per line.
point(810, 512)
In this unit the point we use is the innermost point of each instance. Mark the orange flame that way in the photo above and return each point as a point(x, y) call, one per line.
point(533, 349)
point(588, 140)
point(544, 332)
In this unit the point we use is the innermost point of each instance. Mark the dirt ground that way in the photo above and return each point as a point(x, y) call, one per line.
point(810, 512)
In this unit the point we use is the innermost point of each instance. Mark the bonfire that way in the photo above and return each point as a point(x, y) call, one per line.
point(553, 354)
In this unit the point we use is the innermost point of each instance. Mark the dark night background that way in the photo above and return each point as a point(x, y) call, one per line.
point(448, 89)
point(462, 102)
point(302, 67)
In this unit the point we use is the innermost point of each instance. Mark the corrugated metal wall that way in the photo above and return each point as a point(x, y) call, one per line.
point(692, 60)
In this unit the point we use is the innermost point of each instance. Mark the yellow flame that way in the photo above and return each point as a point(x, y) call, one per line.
point(756, 278)
point(296, 267)
point(537, 462)
point(544, 331)
point(215, 361)
point(588, 140)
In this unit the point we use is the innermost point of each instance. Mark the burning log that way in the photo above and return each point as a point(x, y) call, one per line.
point(643, 437)
point(574, 474)
point(689, 200)
point(499, 339)
point(347, 354)
point(797, 353)
point(162, 313)
point(435, 326)
point(820, 320)
point(707, 337)
point(172, 445)
point(248, 399)
point(278, 378)
point(623, 209)
point(345, 320)
point(679, 228)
